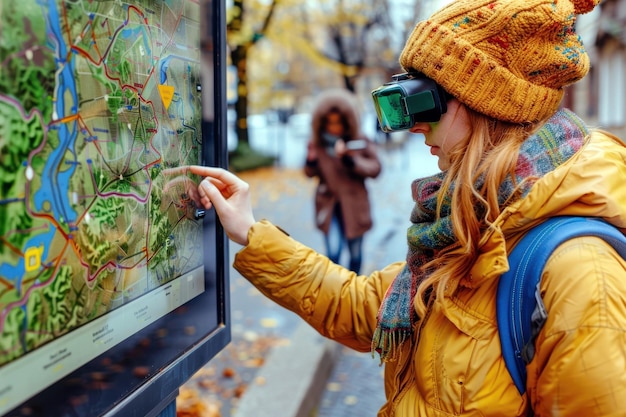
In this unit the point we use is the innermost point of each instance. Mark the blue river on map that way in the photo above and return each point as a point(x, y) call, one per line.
point(58, 169)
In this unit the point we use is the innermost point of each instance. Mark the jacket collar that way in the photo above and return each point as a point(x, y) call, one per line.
point(589, 184)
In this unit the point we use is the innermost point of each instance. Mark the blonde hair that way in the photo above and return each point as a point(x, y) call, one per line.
point(489, 153)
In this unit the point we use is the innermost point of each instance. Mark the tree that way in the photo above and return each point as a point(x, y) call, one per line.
point(332, 43)
point(357, 32)
point(321, 44)
point(241, 38)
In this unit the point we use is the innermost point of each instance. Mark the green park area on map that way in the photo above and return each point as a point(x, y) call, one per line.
point(97, 98)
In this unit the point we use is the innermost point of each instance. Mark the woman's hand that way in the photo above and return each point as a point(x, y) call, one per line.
point(231, 198)
point(340, 148)
point(311, 152)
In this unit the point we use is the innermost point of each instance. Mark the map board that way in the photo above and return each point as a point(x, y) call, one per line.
point(102, 241)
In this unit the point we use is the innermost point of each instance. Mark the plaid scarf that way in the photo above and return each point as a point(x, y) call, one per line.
point(552, 145)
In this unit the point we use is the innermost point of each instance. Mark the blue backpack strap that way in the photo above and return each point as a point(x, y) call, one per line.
point(518, 294)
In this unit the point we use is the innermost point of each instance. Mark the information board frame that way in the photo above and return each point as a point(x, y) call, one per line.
point(141, 375)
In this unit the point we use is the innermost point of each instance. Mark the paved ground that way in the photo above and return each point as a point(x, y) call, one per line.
point(284, 195)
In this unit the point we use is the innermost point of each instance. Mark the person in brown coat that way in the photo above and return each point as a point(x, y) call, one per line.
point(341, 157)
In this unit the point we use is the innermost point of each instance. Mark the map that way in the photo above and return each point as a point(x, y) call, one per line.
point(97, 99)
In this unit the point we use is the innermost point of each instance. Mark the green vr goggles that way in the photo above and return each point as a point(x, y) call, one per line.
point(408, 99)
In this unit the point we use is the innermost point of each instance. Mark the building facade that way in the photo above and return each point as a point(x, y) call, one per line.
point(600, 98)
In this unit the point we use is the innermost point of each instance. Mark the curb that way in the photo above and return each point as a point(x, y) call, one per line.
point(295, 376)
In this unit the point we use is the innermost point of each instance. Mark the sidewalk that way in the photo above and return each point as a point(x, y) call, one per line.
point(276, 364)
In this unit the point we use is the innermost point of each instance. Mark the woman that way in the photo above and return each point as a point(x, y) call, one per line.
point(510, 159)
point(341, 158)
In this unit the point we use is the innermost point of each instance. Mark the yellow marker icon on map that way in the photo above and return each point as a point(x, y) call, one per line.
point(167, 93)
point(32, 258)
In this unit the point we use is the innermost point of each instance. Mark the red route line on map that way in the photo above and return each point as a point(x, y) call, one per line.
point(98, 63)
point(80, 121)
point(110, 77)
point(12, 248)
point(58, 227)
point(132, 87)
point(90, 278)
point(78, 118)
point(10, 306)
point(101, 56)
point(88, 57)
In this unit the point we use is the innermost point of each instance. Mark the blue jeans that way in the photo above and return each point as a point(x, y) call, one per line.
point(335, 240)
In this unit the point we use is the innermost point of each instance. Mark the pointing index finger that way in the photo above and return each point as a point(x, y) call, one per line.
point(182, 170)
point(221, 174)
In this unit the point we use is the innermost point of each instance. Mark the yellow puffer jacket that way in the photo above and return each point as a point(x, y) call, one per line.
point(453, 365)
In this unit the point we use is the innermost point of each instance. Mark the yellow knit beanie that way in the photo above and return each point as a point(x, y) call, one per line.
point(508, 59)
